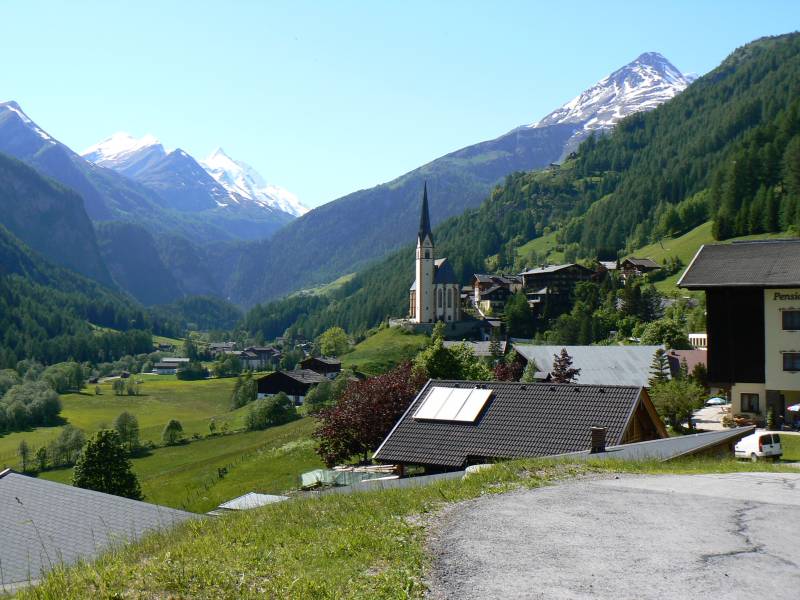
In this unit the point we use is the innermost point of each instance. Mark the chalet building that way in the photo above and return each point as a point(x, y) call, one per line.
point(329, 367)
point(636, 267)
point(261, 358)
point(166, 368)
point(599, 365)
point(296, 384)
point(483, 284)
point(452, 424)
point(753, 322)
point(216, 348)
point(435, 294)
point(553, 283)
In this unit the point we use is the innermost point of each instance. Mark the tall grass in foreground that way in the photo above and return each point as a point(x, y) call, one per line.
point(364, 545)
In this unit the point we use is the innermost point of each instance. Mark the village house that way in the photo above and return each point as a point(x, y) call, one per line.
point(435, 294)
point(753, 323)
point(553, 283)
point(636, 267)
point(599, 365)
point(327, 366)
point(490, 292)
point(166, 368)
point(699, 340)
point(261, 358)
point(216, 348)
point(296, 384)
point(453, 424)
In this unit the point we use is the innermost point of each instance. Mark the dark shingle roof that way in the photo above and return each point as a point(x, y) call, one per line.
point(444, 272)
point(766, 263)
point(519, 420)
point(304, 376)
point(645, 263)
point(44, 523)
point(482, 348)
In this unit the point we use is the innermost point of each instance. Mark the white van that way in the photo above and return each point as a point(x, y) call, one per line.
point(761, 444)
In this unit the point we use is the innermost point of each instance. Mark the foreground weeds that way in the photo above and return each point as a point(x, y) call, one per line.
point(364, 545)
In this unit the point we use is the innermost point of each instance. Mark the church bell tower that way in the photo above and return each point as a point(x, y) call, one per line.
point(424, 298)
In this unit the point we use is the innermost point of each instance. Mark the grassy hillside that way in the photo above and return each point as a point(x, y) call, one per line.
point(162, 398)
point(186, 476)
point(383, 350)
point(366, 545)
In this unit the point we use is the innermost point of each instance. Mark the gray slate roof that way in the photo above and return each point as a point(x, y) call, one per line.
point(519, 420)
point(547, 269)
point(303, 375)
point(669, 448)
point(599, 365)
point(766, 263)
point(251, 500)
point(645, 263)
point(478, 348)
point(44, 523)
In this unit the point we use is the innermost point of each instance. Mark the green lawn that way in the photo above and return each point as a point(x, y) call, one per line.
point(162, 398)
point(791, 446)
point(185, 476)
point(544, 246)
point(365, 545)
point(383, 350)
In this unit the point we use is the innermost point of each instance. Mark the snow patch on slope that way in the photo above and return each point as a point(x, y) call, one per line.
point(245, 183)
point(13, 107)
point(121, 148)
point(641, 85)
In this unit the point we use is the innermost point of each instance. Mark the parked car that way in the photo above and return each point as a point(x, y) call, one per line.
point(761, 444)
point(716, 402)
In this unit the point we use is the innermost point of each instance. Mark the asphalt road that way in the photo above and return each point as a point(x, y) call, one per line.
point(686, 536)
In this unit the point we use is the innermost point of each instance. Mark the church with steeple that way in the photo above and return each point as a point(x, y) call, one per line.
point(435, 294)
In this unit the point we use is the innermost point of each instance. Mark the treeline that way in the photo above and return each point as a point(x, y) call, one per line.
point(729, 133)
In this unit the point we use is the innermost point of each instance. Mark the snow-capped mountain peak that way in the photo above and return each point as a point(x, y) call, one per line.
point(13, 108)
point(121, 149)
point(640, 85)
point(243, 181)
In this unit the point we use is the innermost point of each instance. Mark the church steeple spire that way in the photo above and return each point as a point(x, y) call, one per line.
point(424, 218)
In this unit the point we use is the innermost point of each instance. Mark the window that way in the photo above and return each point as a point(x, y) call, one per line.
point(749, 403)
point(439, 298)
point(450, 298)
point(791, 320)
point(791, 361)
point(427, 253)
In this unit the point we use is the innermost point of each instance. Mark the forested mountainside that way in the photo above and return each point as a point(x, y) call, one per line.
point(346, 234)
point(47, 313)
point(49, 218)
point(658, 173)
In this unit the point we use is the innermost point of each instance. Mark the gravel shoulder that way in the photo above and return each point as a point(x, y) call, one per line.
point(671, 536)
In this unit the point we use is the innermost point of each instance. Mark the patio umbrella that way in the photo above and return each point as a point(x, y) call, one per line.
point(793, 408)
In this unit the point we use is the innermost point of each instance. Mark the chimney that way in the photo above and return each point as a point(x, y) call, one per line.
point(598, 439)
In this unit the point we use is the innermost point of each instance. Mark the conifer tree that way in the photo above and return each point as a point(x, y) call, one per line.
point(659, 368)
point(104, 467)
point(563, 371)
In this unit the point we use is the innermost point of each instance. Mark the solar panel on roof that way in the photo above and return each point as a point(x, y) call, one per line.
point(453, 404)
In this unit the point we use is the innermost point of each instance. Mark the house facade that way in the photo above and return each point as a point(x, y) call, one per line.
point(636, 267)
point(296, 384)
point(753, 323)
point(435, 294)
point(327, 366)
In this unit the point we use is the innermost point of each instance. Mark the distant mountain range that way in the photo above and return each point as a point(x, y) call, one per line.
point(168, 225)
point(342, 236)
point(188, 185)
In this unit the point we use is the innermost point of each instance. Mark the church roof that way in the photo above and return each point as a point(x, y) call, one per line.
point(424, 217)
point(443, 272)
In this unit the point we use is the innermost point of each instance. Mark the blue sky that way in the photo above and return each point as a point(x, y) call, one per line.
point(325, 98)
